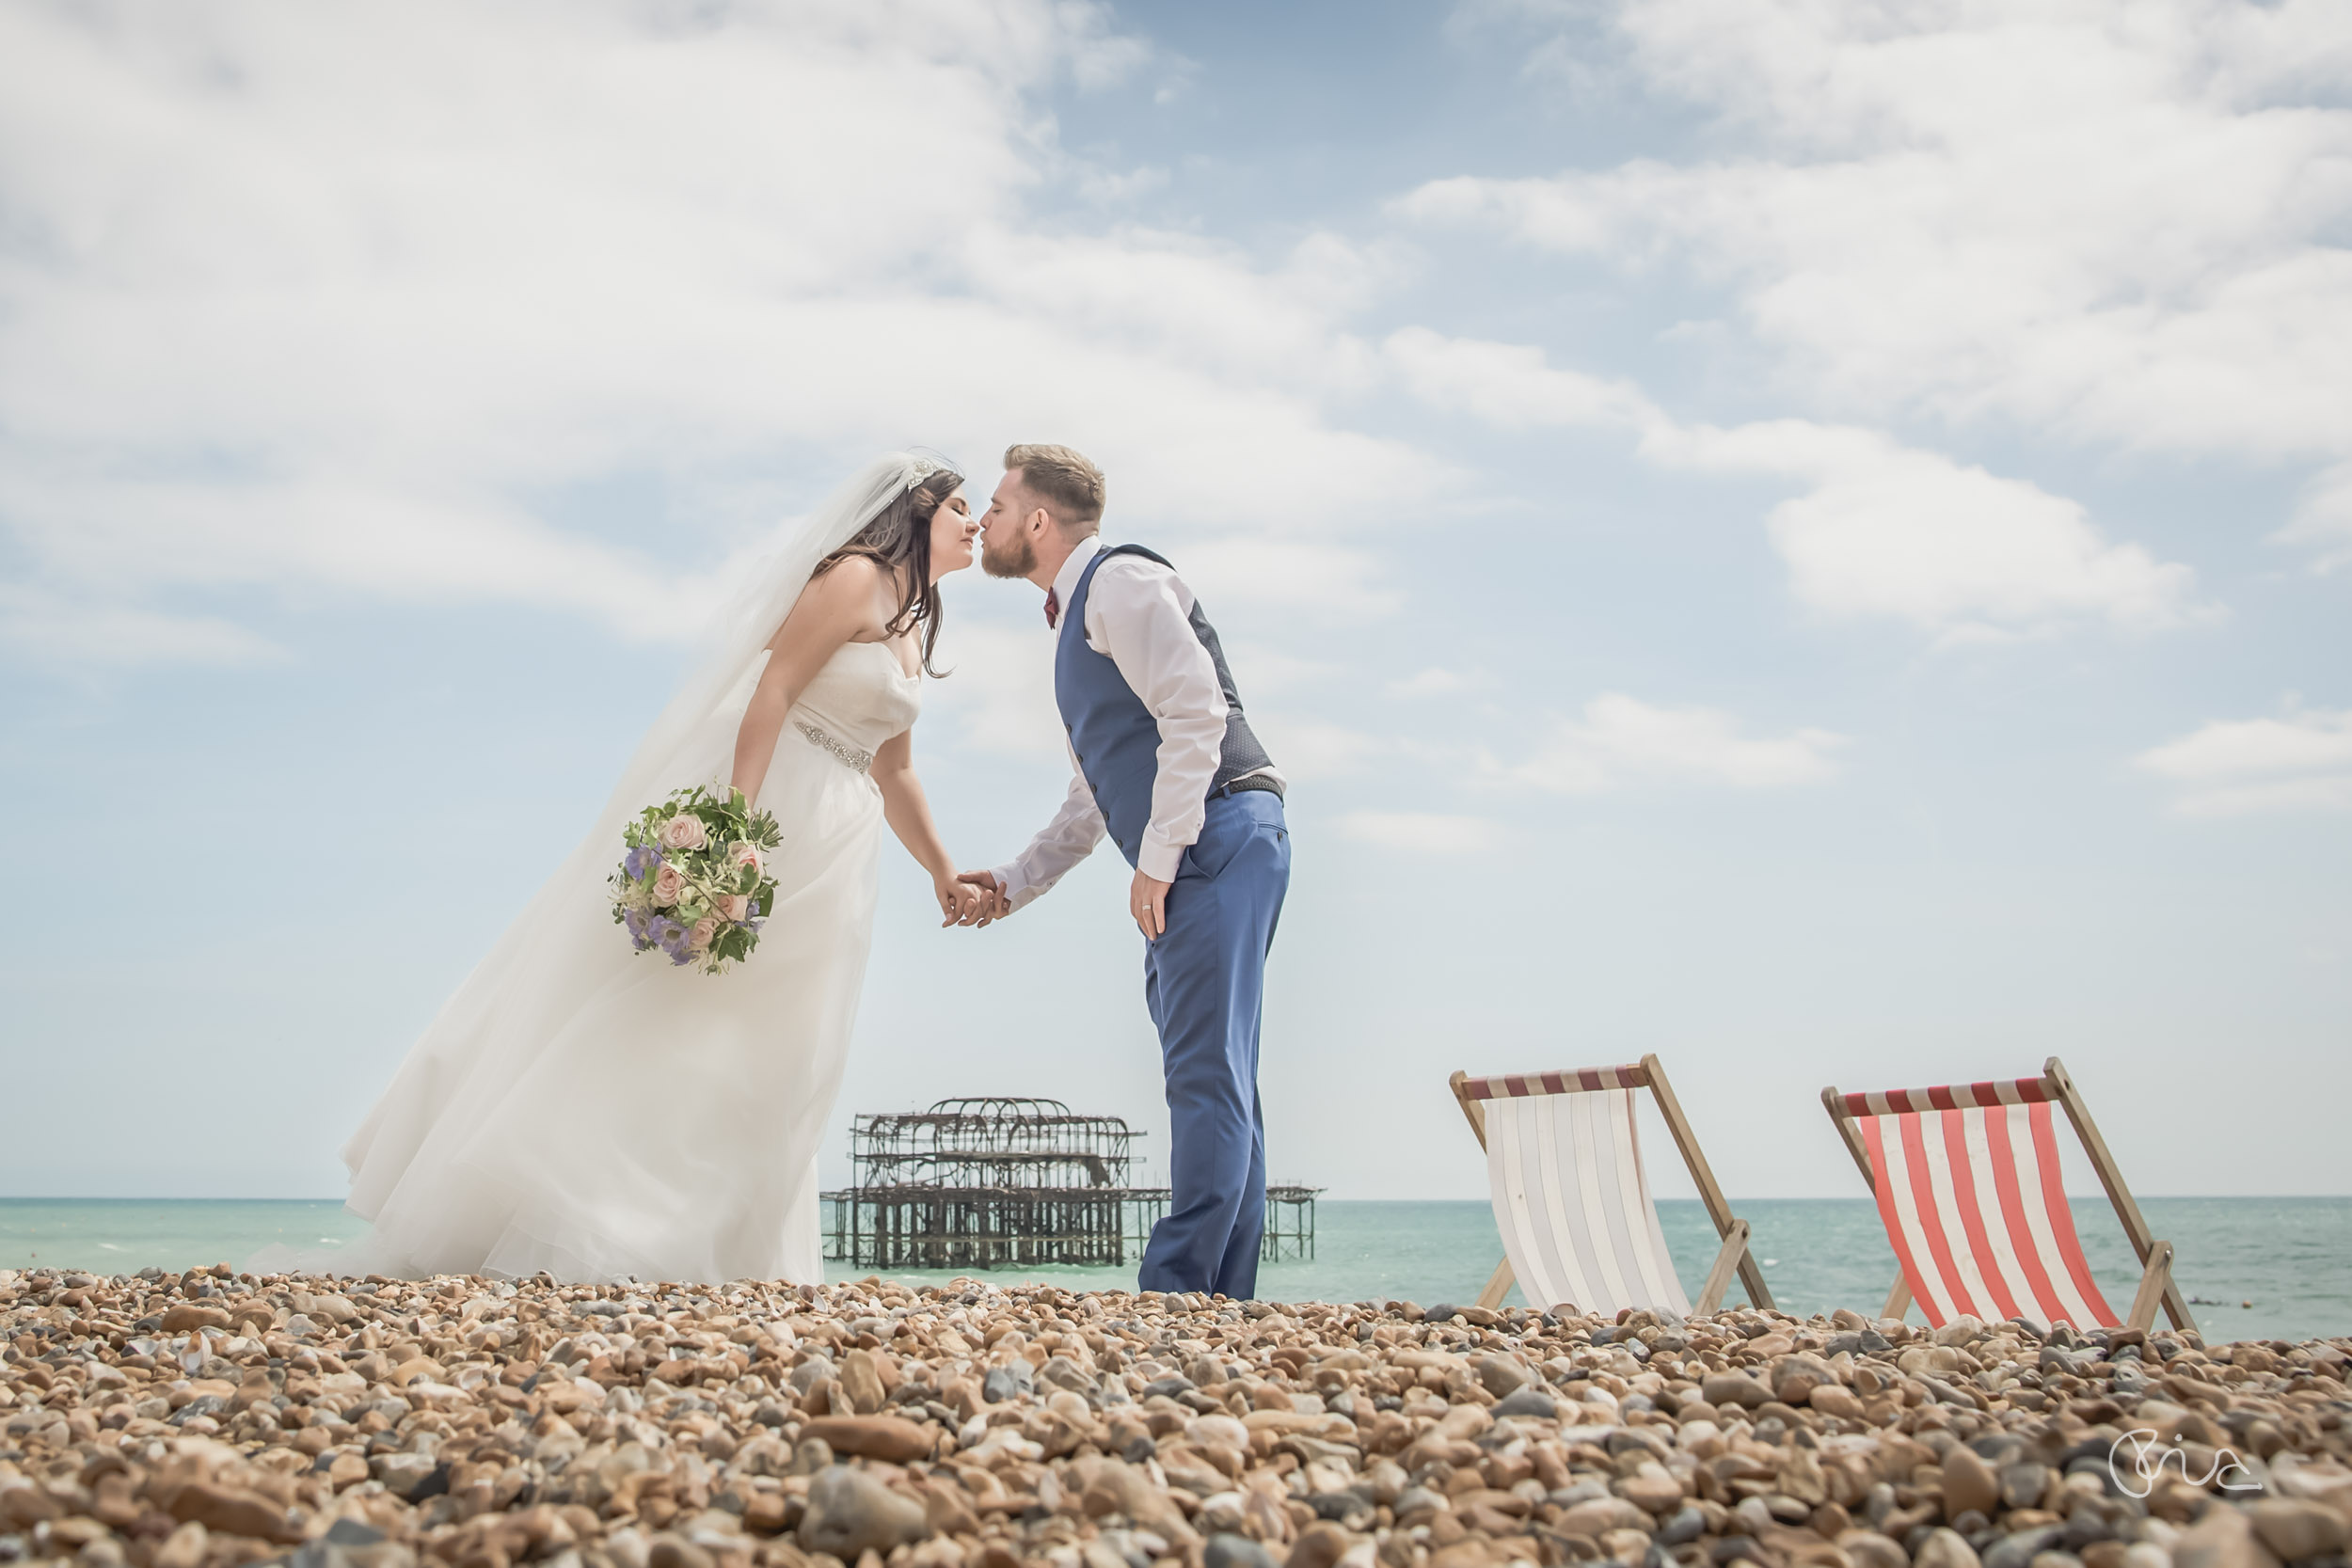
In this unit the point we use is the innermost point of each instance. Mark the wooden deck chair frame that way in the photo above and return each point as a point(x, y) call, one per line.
point(1735, 1253)
point(2156, 1285)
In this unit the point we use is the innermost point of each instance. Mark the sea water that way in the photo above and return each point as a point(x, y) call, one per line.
point(2255, 1267)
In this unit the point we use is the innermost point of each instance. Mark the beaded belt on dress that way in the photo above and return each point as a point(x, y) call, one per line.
point(848, 755)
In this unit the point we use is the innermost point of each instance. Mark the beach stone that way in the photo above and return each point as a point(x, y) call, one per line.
point(2223, 1538)
point(850, 1513)
point(1059, 1372)
point(401, 1473)
point(1500, 1376)
point(893, 1438)
point(1319, 1545)
point(947, 1509)
point(1682, 1526)
point(1944, 1548)
point(1603, 1513)
point(1729, 1389)
point(672, 1551)
point(1831, 1399)
point(2292, 1529)
point(232, 1511)
point(2020, 1548)
point(1007, 1382)
point(1796, 1377)
point(2023, 1484)
point(1969, 1484)
point(1528, 1401)
point(1867, 1549)
point(184, 1547)
point(193, 1315)
point(861, 1380)
point(1236, 1551)
point(1655, 1490)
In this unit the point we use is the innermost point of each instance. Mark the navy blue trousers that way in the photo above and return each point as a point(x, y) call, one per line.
point(1204, 980)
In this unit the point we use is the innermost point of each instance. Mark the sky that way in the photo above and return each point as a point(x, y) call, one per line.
point(1810, 537)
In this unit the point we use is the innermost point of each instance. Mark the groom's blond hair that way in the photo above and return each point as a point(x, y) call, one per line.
point(1071, 488)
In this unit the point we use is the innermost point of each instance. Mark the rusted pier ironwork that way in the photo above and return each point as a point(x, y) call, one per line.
point(1002, 1182)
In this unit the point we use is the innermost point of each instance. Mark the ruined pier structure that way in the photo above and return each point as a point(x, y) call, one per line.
point(994, 1183)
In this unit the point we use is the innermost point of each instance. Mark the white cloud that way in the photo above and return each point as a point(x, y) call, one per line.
point(2322, 517)
point(1622, 741)
point(1887, 530)
point(1416, 833)
point(1432, 682)
point(2228, 767)
point(49, 629)
point(2110, 220)
point(1512, 385)
point(303, 296)
point(1880, 530)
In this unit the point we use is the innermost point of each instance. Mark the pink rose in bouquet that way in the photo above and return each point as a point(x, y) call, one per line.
point(694, 883)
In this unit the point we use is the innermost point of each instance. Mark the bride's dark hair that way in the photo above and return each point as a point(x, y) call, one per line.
point(898, 540)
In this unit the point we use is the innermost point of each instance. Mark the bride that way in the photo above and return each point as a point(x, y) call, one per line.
point(581, 1109)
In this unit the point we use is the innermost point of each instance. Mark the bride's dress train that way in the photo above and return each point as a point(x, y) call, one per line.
point(595, 1113)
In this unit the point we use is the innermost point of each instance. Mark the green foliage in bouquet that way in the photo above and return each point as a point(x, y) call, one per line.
point(695, 883)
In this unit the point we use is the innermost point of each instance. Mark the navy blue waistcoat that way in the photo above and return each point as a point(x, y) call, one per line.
point(1114, 735)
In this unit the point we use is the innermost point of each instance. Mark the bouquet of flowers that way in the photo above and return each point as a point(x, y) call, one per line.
point(695, 877)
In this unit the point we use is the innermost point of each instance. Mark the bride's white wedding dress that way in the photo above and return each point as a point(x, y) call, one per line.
point(618, 1115)
point(597, 1113)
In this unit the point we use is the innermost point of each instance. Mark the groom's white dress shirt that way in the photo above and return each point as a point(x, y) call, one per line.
point(1140, 613)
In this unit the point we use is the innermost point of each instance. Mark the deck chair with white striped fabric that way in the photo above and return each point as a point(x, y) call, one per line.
point(1968, 1185)
point(1564, 1159)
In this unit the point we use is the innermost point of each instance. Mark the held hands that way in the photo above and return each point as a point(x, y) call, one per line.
point(961, 903)
point(972, 898)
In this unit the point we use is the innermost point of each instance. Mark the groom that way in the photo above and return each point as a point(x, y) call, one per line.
point(1165, 762)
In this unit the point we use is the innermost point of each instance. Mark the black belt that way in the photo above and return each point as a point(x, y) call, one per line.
point(1254, 781)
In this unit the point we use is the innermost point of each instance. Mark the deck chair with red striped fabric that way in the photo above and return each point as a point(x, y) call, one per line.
point(1563, 1161)
point(1968, 1185)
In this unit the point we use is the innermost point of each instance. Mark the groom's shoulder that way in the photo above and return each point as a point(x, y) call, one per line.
point(1137, 553)
point(1138, 565)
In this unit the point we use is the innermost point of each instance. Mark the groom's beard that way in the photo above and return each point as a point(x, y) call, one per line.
point(1016, 559)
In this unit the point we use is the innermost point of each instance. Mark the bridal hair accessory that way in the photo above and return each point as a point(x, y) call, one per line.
point(696, 879)
point(922, 464)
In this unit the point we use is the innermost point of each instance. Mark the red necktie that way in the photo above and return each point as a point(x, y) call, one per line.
point(1052, 608)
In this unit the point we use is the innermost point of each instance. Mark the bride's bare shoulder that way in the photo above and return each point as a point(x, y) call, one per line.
point(842, 601)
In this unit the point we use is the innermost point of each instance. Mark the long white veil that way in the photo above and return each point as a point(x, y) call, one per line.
point(489, 1032)
point(671, 756)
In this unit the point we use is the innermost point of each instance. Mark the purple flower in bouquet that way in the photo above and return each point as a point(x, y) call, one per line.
point(668, 935)
point(687, 874)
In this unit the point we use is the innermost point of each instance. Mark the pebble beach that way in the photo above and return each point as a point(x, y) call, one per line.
point(213, 1419)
